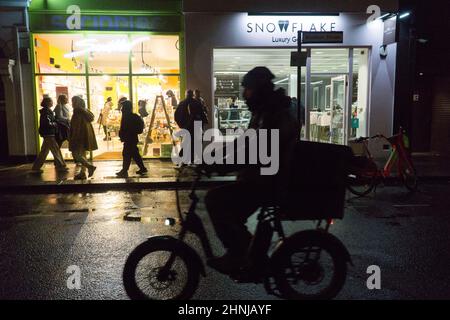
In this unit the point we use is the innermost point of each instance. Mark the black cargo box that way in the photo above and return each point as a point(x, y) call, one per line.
point(318, 182)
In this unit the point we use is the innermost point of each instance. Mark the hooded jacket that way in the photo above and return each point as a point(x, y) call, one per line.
point(47, 123)
point(82, 135)
point(131, 124)
point(271, 110)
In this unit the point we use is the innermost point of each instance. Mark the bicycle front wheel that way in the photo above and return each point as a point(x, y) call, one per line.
point(160, 271)
point(361, 187)
point(310, 269)
point(362, 181)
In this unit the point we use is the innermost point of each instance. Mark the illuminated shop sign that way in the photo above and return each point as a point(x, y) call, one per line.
point(168, 23)
point(284, 29)
point(104, 22)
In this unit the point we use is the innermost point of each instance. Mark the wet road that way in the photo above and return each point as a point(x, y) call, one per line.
point(407, 236)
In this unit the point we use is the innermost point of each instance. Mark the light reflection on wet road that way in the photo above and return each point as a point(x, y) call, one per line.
point(41, 235)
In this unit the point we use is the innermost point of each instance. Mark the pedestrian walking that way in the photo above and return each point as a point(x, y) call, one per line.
point(62, 116)
point(131, 126)
point(199, 98)
point(189, 111)
point(48, 130)
point(172, 99)
point(82, 136)
point(107, 107)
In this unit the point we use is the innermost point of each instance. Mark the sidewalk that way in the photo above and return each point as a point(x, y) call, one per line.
point(162, 176)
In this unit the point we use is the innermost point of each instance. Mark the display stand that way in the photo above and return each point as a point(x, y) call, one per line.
point(152, 121)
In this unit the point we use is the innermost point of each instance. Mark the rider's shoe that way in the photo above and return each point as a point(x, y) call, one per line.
point(229, 263)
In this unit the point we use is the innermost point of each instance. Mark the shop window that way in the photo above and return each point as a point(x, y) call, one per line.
point(106, 54)
point(328, 60)
point(155, 54)
point(103, 62)
point(230, 66)
point(53, 54)
point(55, 86)
point(107, 120)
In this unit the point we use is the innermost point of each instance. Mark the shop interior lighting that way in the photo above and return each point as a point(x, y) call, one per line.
point(230, 72)
point(281, 81)
point(145, 67)
point(114, 46)
point(321, 14)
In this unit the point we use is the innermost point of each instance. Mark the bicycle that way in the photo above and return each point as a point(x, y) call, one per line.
point(365, 174)
point(296, 268)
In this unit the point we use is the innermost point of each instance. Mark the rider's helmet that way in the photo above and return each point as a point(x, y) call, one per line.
point(258, 78)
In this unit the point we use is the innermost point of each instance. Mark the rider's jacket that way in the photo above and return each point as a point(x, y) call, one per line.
point(272, 111)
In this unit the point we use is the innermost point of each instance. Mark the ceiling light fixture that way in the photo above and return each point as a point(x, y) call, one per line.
point(280, 81)
point(114, 46)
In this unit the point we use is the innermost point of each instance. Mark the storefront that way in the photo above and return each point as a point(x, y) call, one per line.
point(107, 52)
point(347, 88)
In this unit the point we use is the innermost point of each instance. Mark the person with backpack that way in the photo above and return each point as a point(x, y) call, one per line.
point(131, 126)
point(198, 97)
point(187, 113)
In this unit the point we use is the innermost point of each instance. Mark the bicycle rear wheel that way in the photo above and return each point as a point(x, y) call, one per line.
point(408, 175)
point(147, 276)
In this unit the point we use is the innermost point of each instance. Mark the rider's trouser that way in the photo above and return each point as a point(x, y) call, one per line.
point(229, 208)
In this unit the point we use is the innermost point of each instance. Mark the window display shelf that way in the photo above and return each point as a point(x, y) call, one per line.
point(233, 118)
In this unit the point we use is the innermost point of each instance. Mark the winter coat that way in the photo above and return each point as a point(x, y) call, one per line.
point(131, 126)
point(47, 123)
point(105, 113)
point(82, 135)
point(273, 112)
point(189, 111)
point(62, 112)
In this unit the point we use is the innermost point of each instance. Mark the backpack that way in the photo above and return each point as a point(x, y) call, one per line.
point(138, 124)
point(143, 112)
point(183, 116)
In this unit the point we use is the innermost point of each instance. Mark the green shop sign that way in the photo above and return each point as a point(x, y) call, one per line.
point(166, 23)
point(112, 15)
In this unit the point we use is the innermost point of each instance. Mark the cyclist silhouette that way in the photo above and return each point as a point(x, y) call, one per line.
point(230, 206)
